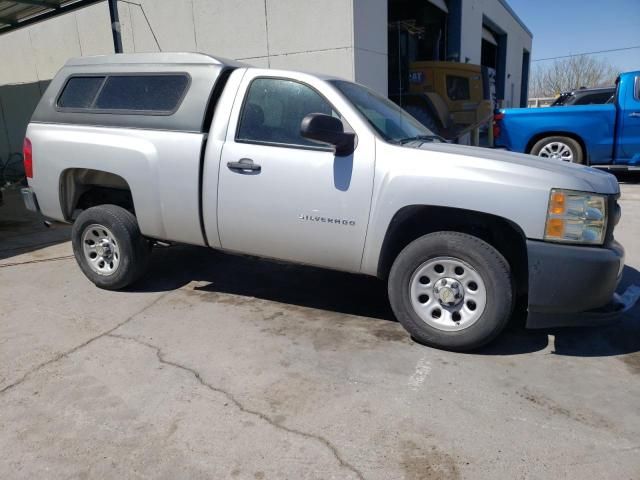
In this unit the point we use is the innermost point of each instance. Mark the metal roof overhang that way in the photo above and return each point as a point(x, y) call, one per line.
point(20, 13)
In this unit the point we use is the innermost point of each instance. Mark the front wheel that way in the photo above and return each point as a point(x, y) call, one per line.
point(109, 247)
point(559, 148)
point(451, 290)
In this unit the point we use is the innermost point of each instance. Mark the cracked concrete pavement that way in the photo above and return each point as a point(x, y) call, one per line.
point(219, 366)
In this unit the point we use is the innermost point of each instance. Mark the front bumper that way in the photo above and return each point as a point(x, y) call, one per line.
point(575, 285)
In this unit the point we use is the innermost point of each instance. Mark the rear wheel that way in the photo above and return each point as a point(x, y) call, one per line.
point(559, 148)
point(451, 290)
point(109, 247)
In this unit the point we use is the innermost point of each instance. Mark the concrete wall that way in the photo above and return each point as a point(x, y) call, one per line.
point(31, 56)
point(345, 38)
point(518, 39)
point(310, 35)
point(370, 43)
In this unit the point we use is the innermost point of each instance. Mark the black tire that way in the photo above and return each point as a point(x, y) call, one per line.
point(487, 262)
point(424, 116)
point(134, 250)
point(574, 146)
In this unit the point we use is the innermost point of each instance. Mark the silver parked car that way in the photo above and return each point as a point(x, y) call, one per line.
point(179, 147)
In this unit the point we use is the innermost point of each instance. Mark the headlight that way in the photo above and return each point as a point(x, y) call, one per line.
point(576, 217)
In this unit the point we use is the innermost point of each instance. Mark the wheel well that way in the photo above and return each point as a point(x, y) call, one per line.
point(540, 136)
point(417, 220)
point(82, 188)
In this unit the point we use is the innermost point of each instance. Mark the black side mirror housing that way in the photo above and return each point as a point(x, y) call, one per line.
point(328, 130)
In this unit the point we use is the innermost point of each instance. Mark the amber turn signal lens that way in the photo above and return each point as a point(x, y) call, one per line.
point(555, 227)
point(557, 204)
point(576, 217)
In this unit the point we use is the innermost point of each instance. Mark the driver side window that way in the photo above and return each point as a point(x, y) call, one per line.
point(273, 111)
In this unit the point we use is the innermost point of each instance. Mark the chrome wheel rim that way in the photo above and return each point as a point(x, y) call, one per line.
point(557, 151)
point(100, 249)
point(448, 293)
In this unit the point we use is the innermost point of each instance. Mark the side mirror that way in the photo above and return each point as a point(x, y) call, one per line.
point(329, 130)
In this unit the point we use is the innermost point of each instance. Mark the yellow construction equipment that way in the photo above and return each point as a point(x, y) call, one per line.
point(450, 98)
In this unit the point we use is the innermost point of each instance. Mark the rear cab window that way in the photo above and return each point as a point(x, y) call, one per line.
point(155, 94)
point(592, 99)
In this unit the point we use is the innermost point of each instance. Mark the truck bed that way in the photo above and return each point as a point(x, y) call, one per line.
point(592, 125)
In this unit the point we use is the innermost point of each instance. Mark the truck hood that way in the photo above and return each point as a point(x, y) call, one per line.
point(559, 174)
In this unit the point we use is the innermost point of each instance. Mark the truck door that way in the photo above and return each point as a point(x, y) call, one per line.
point(283, 196)
point(629, 122)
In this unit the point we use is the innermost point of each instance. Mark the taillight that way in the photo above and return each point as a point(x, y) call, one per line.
point(496, 126)
point(27, 155)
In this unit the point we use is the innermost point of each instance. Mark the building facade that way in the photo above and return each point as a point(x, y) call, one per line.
point(361, 40)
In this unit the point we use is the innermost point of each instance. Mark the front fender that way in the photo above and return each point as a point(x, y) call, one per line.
point(514, 193)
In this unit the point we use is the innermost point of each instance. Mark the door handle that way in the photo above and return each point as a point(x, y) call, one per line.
point(245, 166)
point(635, 114)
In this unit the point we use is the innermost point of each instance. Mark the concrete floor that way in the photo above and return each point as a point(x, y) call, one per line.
point(232, 368)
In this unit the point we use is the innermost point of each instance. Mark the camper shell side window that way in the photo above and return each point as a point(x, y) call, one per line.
point(126, 93)
point(176, 97)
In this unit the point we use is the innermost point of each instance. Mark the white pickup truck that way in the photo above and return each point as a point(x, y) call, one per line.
point(137, 149)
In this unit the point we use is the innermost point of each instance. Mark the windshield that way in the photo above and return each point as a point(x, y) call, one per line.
point(389, 120)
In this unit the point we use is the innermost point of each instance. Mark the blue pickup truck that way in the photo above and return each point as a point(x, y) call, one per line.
point(605, 136)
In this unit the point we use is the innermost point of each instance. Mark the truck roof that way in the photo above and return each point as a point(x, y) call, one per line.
point(590, 89)
point(153, 58)
point(165, 59)
point(200, 73)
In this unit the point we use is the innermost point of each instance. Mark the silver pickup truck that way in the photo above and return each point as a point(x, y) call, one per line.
point(137, 149)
